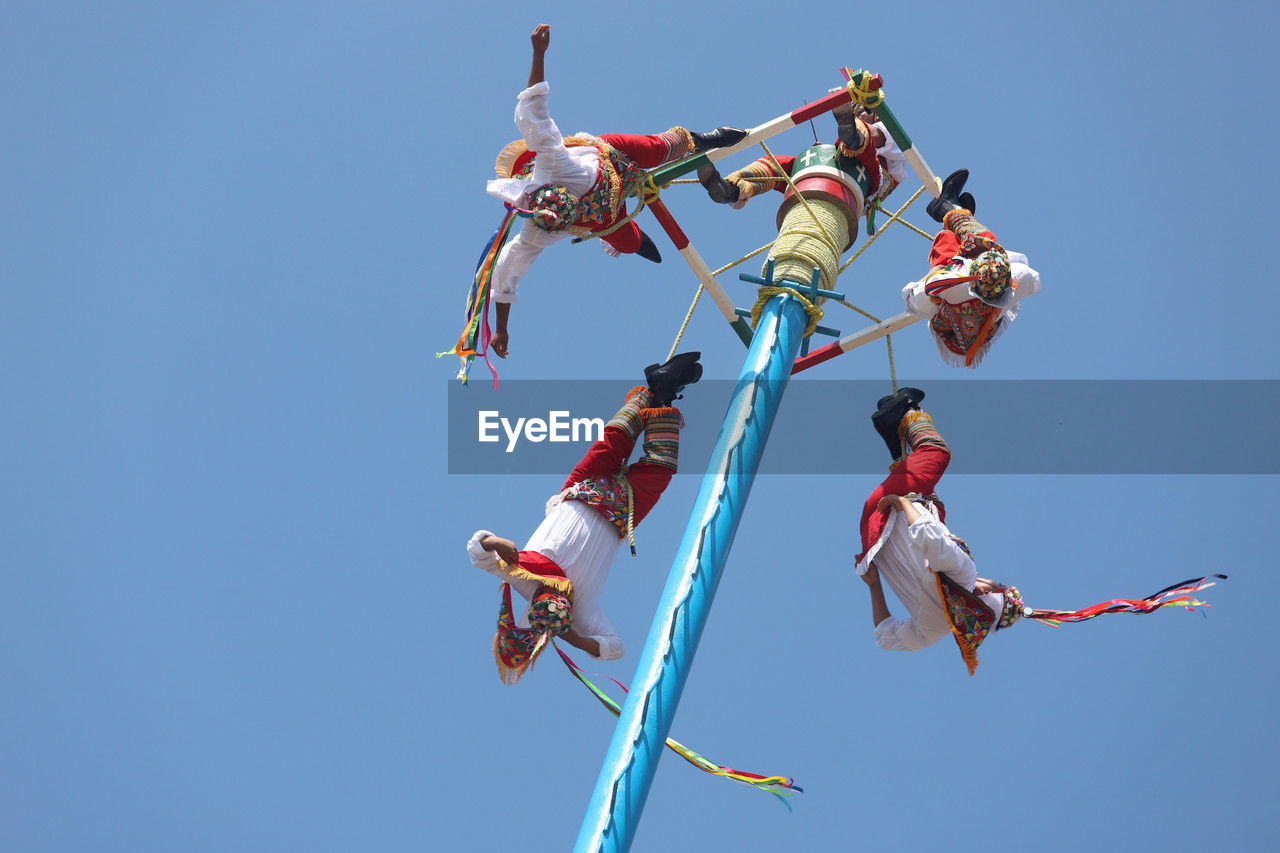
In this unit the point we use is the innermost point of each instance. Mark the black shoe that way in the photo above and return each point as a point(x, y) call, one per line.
point(647, 250)
point(720, 190)
point(890, 411)
point(950, 198)
point(668, 379)
point(846, 126)
point(718, 138)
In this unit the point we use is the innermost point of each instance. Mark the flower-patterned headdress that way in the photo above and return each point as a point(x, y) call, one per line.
point(552, 208)
point(991, 274)
point(515, 648)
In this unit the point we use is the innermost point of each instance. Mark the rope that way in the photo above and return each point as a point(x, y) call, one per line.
point(698, 295)
point(795, 260)
point(893, 373)
point(687, 317)
point(800, 246)
point(888, 340)
point(631, 506)
point(745, 257)
point(919, 231)
point(897, 214)
point(863, 94)
point(645, 191)
point(765, 293)
point(804, 201)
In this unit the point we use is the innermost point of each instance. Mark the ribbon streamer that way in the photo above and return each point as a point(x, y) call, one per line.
point(1177, 595)
point(780, 786)
point(476, 335)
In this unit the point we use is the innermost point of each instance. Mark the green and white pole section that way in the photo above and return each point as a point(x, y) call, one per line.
point(701, 270)
point(918, 165)
point(626, 775)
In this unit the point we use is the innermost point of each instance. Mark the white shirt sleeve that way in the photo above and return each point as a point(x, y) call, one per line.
point(515, 259)
point(611, 647)
point(917, 302)
point(486, 561)
point(533, 120)
point(598, 628)
point(1028, 279)
point(897, 634)
point(931, 540)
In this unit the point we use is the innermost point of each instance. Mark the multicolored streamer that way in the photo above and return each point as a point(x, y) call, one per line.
point(475, 336)
point(780, 786)
point(1177, 595)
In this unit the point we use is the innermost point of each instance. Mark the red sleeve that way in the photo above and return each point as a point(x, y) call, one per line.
point(648, 481)
point(919, 472)
point(788, 164)
point(604, 458)
point(945, 247)
point(647, 151)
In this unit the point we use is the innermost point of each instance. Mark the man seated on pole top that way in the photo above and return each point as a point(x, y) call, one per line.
point(563, 567)
point(574, 185)
point(971, 293)
point(906, 544)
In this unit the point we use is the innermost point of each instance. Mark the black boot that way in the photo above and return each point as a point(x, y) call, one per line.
point(951, 197)
point(890, 411)
point(718, 138)
point(846, 126)
point(668, 379)
point(647, 250)
point(720, 190)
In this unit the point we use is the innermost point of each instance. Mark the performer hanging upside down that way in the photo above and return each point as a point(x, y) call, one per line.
point(563, 567)
point(574, 185)
point(972, 290)
point(906, 542)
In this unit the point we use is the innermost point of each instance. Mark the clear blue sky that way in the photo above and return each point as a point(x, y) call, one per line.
point(236, 613)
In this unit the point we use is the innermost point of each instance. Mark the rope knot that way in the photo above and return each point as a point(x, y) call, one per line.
point(862, 92)
point(764, 294)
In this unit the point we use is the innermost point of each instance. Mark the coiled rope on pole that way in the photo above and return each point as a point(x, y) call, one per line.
point(802, 243)
point(767, 292)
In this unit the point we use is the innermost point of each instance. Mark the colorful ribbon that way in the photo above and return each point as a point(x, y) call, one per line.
point(475, 336)
point(780, 786)
point(1177, 595)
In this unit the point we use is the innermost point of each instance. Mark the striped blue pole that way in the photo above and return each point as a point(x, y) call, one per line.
point(629, 766)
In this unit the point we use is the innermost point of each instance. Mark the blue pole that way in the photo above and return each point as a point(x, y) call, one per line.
point(629, 766)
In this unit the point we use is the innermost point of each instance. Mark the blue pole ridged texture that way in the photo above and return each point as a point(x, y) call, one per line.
point(627, 772)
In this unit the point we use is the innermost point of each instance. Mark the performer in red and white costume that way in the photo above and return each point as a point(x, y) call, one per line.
point(974, 285)
point(566, 561)
point(907, 544)
point(575, 185)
